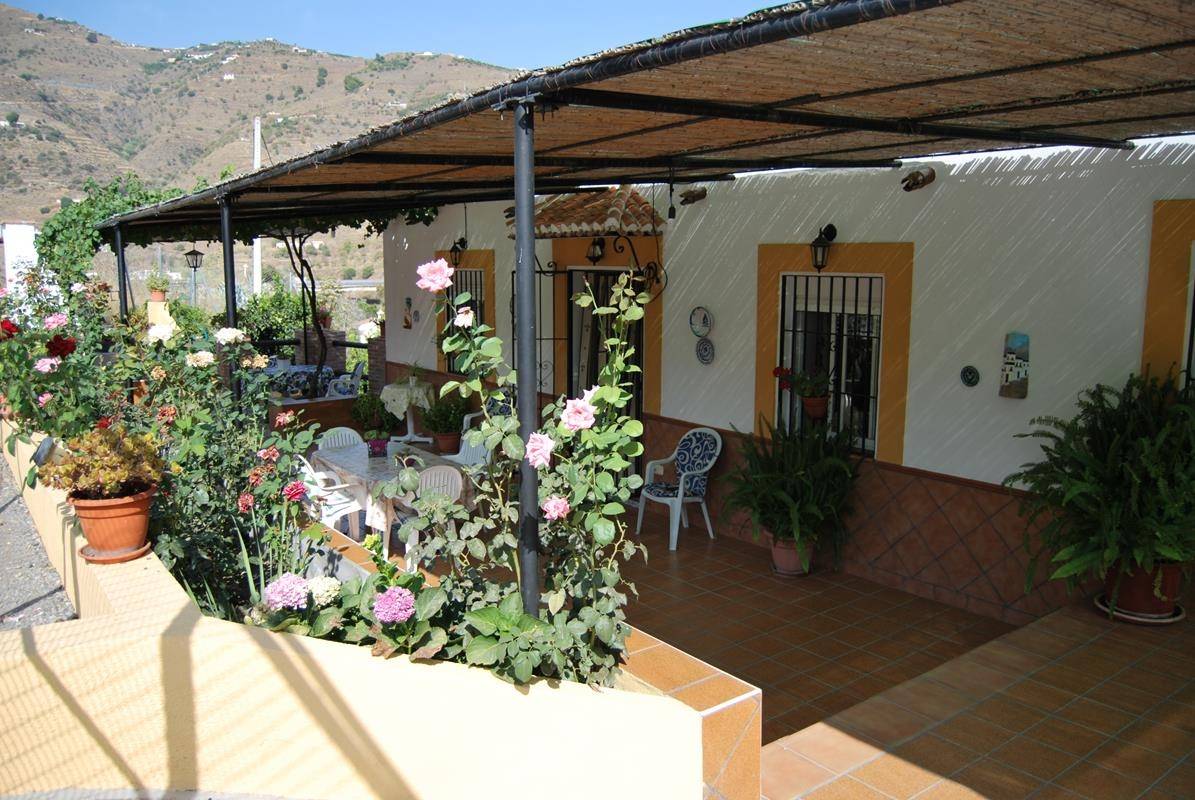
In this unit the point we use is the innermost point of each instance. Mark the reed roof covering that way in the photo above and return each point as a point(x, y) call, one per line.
point(821, 83)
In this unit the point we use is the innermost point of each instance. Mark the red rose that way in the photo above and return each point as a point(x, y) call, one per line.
point(10, 328)
point(785, 384)
point(103, 422)
point(61, 346)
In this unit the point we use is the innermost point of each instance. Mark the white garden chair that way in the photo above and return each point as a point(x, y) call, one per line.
point(694, 457)
point(339, 437)
point(470, 455)
point(440, 479)
point(329, 500)
point(347, 385)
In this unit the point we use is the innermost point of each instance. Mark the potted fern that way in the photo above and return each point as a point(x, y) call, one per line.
point(110, 477)
point(157, 283)
point(795, 484)
point(1115, 489)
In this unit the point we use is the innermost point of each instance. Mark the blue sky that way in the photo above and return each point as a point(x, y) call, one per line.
point(523, 33)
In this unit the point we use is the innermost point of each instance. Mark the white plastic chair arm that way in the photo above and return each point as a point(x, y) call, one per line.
point(652, 466)
point(469, 419)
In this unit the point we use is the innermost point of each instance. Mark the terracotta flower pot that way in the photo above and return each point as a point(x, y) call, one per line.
point(786, 558)
point(157, 295)
point(116, 529)
point(447, 442)
point(815, 407)
point(377, 447)
point(1137, 597)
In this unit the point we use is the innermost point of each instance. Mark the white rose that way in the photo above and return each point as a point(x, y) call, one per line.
point(77, 287)
point(227, 336)
point(324, 590)
point(201, 358)
point(159, 333)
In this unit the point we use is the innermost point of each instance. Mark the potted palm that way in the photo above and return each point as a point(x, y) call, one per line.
point(1115, 490)
point(795, 485)
point(814, 389)
point(110, 477)
point(443, 420)
point(157, 283)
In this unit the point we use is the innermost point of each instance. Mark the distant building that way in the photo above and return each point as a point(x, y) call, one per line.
point(16, 239)
point(228, 76)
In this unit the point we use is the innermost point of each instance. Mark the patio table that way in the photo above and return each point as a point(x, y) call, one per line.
point(400, 398)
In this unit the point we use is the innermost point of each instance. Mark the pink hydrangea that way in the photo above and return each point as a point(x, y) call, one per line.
point(539, 449)
point(464, 318)
point(55, 321)
point(294, 491)
point(288, 591)
point(555, 507)
point(396, 604)
point(434, 276)
point(47, 365)
point(578, 412)
point(44, 398)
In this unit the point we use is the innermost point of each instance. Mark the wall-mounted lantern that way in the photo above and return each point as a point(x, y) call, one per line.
point(820, 247)
point(596, 250)
point(457, 249)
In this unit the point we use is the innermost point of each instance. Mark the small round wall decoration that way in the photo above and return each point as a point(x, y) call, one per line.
point(969, 376)
point(701, 321)
point(705, 351)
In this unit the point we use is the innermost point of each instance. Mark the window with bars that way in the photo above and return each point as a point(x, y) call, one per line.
point(831, 325)
point(473, 282)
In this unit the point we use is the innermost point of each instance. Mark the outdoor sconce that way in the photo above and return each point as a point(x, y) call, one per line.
point(194, 258)
point(596, 250)
point(458, 247)
point(820, 247)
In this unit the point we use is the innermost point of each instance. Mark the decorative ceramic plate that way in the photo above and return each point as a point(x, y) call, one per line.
point(701, 321)
point(705, 351)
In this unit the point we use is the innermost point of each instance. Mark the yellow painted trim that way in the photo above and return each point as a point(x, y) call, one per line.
point(893, 261)
point(570, 254)
point(1165, 329)
point(472, 259)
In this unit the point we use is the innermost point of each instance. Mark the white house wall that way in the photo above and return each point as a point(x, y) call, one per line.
point(1054, 245)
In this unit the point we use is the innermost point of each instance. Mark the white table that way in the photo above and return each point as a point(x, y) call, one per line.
point(400, 399)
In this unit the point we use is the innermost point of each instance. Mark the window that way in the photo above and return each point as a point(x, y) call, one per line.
point(831, 325)
point(473, 282)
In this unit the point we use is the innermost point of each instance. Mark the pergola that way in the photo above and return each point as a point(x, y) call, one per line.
point(817, 84)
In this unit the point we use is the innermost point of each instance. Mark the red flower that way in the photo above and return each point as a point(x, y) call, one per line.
point(781, 372)
point(786, 384)
point(61, 346)
point(245, 503)
point(167, 414)
point(103, 422)
point(294, 491)
point(269, 454)
point(256, 476)
point(9, 328)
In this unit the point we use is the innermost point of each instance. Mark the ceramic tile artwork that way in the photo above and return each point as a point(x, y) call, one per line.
point(1014, 367)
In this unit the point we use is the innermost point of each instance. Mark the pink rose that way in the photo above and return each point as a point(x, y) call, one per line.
point(464, 318)
point(55, 321)
point(47, 365)
point(434, 276)
point(245, 503)
point(555, 507)
point(269, 454)
point(294, 491)
point(44, 398)
point(578, 413)
point(539, 450)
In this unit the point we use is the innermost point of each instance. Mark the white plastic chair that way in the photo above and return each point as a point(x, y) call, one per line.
point(329, 500)
point(339, 437)
point(347, 385)
point(694, 457)
point(440, 479)
point(470, 455)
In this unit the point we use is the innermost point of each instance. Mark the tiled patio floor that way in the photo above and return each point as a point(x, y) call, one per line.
point(816, 645)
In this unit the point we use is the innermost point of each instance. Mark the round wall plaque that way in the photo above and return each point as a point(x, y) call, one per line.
point(701, 321)
point(705, 351)
point(969, 376)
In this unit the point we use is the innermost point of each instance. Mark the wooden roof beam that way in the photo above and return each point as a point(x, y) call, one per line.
point(627, 101)
point(584, 162)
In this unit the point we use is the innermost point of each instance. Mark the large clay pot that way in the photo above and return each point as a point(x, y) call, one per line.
point(1137, 597)
point(447, 442)
point(815, 407)
point(116, 529)
point(157, 295)
point(786, 557)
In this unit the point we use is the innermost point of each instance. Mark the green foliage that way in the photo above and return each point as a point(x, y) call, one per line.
point(446, 415)
point(369, 412)
point(157, 282)
point(1115, 488)
point(348, 273)
point(811, 384)
point(796, 485)
point(424, 214)
point(12, 117)
point(274, 314)
point(352, 83)
point(154, 67)
point(105, 463)
point(321, 76)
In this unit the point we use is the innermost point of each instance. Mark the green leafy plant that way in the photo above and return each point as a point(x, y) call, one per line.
point(105, 463)
point(811, 384)
point(157, 282)
point(1115, 487)
point(445, 415)
point(369, 411)
point(795, 484)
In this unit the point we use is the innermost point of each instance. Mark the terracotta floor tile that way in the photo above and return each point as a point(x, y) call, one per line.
point(1034, 758)
point(828, 647)
point(895, 777)
point(804, 688)
point(832, 748)
point(1039, 695)
point(785, 775)
point(1152, 682)
point(1132, 761)
point(936, 754)
point(1179, 782)
point(882, 722)
point(801, 717)
point(1096, 716)
point(995, 781)
point(1002, 656)
point(1071, 680)
point(1097, 783)
point(799, 660)
point(862, 660)
point(1008, 713)
point(949, 790)
point(845, 789)
point(933, 699)
point(712, 691)
point(973, 733)
point(1164, 739)
point(1035, 640)
point(972, 679)
point(1072, 738)
point(1125, 698)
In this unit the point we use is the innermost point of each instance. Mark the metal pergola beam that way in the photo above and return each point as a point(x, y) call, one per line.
point(554, 184)
point(645, 162)
point(655, 104)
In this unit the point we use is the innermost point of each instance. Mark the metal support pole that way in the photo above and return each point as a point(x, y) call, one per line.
point(525, 362)
point(230, 274)
point(122, 273)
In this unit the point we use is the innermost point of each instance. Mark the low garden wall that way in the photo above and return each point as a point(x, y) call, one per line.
point(143, 694)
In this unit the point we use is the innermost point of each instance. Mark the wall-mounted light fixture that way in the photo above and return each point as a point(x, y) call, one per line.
point(460, 245)
point(194, 260)
point(820, 246)
point(596, 250)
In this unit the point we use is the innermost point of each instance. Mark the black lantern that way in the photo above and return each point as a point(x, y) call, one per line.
point(194, 258)
point(820, 246)
point(458, 248)
point(596, 250)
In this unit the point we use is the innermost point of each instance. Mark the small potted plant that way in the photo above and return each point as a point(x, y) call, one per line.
point(110, 477)
point(376, 440)
point(157, 283)
point(814, 389)
point(323, 315)
point(443, 420)
point(794, 485)
point(1115, 491)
